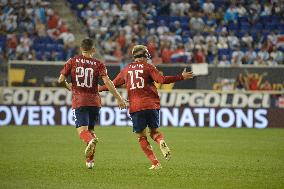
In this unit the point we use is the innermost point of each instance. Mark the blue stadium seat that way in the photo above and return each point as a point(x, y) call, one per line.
point(245, 26)
point(210, 58)
point(184, 19)
point(270, 26)
point(174, 18)
point(275, 18)
point(233, 27)
point(265, 19)
point(243, 19)
point(257, 26)
point(225, 52)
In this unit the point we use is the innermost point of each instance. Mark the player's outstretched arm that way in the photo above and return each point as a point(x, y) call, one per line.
point(112, 89)
point(159, 78)
point(62, 80)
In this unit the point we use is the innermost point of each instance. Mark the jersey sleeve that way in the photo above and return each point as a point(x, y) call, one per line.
point(118, 81)
point(159, 78)
point(67, 68)
point(102, 70)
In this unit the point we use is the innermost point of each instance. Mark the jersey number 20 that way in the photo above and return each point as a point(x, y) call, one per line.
point(136, 80)
point(85, 74)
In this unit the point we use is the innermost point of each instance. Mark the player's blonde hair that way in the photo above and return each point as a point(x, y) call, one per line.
point(139, 51)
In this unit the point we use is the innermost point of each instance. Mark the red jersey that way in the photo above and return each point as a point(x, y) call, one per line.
point(139, 78)
point(85, 73)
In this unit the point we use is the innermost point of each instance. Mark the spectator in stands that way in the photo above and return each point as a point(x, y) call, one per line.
point(11, 23)
point(176, 28)
point(277, 55)
point(211, 38)
point(156, 59)
point(271, 62)
point(198, 39)
point(224, 61)
point(68, 38)
point(231, 14)
point(198, 55)
point(237, 56)
point(166, 52)
point(21, 52)
point(223, 41)
point(263, 56)
point(272, 37)
point(250, 56)
point(233, 41)
point(196, 23)
point(162, 28)
point(105, 19)
point(40, 28)
point(179, 8)
point(267, 10)
point(152, 45)
point(208, 7)
point(189, 45)
point(247, 40)
point(242, 12)
point(254, 10)
point(26, 41)
point(12, 44)
point(210, 23)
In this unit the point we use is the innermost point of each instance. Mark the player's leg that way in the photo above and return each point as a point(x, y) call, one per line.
point(153, 119)
point(139, 127)
point(81, 117)
point(93, 119)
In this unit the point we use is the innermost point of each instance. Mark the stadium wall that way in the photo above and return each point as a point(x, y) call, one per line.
point(179, 108)
point(25, 73)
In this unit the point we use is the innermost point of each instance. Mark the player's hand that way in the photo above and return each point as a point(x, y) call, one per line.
point(187, 75)
point(68, 86)
point(122, 104)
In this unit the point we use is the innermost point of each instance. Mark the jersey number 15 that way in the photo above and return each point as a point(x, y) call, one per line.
point(135, 79)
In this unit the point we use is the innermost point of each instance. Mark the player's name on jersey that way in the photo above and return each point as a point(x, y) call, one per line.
point(134, 66)
point(85, 61)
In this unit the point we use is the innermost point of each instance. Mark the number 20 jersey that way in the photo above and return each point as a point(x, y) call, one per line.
point(85, 73)
point(139, 78)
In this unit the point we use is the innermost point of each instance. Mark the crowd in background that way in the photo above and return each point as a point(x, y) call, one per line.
point(220, 32)
point(31, 30)
point(179, 31)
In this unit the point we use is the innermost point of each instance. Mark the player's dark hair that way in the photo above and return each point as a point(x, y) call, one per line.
point(87, 44)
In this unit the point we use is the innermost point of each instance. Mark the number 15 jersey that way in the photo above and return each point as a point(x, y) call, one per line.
point(139, 78)
point(85, 73)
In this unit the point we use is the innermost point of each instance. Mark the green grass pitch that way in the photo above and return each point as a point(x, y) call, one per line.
point(52, 157)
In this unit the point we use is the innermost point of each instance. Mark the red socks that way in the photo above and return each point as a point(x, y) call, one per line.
point(148, 150)
point(157, 137)
point(86, 136)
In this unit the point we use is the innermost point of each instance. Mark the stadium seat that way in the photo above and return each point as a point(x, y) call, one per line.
point(225, 52)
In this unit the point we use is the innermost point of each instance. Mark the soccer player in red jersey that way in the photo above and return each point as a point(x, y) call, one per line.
point(144, 101)
point(85, 72)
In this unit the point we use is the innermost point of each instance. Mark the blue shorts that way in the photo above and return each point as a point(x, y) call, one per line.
point(145, 118)
point(86, 116)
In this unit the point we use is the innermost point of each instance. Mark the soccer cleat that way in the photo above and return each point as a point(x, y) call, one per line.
point(90, 149)
point(165, 150)
point(155, 167)
point(90, 164)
